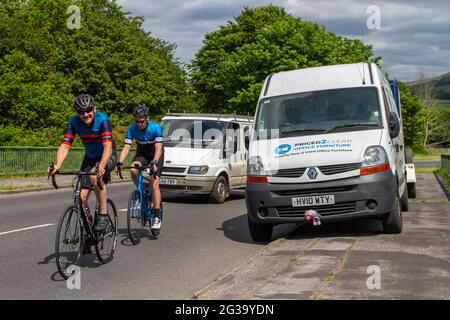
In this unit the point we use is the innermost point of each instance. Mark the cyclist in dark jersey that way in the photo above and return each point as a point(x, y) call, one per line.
point(94, 129)
point(150, 151)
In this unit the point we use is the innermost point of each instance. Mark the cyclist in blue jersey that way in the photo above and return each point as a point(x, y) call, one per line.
point(150, 151)
point(94, 129)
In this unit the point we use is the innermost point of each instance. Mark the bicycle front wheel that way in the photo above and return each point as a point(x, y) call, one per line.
point(107, 240)
point(69, 241)
point(135, 218)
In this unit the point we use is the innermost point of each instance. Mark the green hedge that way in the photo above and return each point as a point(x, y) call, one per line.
point(445, 163)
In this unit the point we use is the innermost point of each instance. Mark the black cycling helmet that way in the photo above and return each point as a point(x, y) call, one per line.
point(84, 103)
point(140, 111)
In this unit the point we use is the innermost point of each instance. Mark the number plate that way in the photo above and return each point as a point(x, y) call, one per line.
point(321, 200)
point(168, 181)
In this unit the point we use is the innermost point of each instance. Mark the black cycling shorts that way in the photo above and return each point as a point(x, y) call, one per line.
point(89, 163)
point(145, 161)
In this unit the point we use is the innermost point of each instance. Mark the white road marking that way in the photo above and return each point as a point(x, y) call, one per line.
point(24, 229)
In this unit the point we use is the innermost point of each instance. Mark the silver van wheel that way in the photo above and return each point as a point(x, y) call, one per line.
point(220, 190)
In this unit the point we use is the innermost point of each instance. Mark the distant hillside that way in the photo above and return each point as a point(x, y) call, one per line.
point(441, 88)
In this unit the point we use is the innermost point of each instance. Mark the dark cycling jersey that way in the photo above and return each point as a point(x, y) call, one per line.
point(145, 138)
point(93, 137)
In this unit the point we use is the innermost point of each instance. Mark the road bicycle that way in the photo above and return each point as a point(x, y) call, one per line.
point(140, 205)
point(75, 234)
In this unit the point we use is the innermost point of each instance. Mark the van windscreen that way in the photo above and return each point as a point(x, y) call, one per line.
point(187, 133)
point(318, 112)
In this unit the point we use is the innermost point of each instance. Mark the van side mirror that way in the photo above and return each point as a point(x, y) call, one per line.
point(247, 142)
point(235, 146)
point(394, 125)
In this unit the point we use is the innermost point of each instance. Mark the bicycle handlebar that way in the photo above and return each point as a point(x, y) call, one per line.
point(71, 173)
point(142, 168)
point(119, 171)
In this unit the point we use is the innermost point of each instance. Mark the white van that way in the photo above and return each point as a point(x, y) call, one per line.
point(327, 145)
point(205, 154)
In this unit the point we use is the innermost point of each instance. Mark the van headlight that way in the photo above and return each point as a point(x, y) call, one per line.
point(255, 167)
point(198, 169)
point(375, 160)
point(373, 156)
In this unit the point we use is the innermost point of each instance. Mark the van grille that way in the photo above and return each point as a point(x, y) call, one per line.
point(339, 168)
point(290, 173)
point(326, 170)
point(338, 208)
point(174, 169)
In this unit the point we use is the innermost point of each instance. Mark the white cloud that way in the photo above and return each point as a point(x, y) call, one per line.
point(414, 34)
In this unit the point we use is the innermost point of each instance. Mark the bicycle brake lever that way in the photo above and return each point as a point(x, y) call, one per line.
point(50, 170)
point(119, 171)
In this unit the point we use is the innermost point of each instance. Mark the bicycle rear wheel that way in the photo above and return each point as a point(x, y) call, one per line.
point(106, 245)
point(135, 218)
point(69, 241)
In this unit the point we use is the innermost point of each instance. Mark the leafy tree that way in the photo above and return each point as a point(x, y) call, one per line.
point(414, 116)
point(44, 64)
point(230, 68)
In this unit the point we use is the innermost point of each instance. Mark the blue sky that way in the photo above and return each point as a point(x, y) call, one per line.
point(414, 36)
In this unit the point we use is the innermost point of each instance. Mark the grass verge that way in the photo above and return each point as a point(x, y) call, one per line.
point(23, 186)
point(426, 156)
point(426, 170)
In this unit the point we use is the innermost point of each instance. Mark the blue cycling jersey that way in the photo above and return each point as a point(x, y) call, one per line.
point(93, 137)
point(145, 138)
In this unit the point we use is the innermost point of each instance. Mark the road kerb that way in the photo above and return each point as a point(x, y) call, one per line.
point(272, 245)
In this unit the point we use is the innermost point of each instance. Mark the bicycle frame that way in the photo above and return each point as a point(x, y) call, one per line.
point(144, 208)
point(81, 214)
point(90, 234)
point(148, 190)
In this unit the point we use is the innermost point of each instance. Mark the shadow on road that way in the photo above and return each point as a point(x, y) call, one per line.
point(351, 228)
point(173, 197)
point(236, 229)
point(125, 238)
point(87, 261)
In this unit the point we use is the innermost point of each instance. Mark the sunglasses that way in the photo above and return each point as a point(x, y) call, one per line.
point(88, 110)
point(141, 121)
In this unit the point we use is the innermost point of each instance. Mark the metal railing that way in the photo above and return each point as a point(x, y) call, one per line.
point(27, 161)
point(445, 163)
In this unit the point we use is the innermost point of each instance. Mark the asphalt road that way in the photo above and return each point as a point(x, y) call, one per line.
point(201, 242)
point(427, 163)
point(198, 242)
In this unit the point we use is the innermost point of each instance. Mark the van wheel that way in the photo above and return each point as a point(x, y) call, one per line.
point(404, 200)
point(411, 190)
point(260, 232)
point(393, 221)
point(220, 190)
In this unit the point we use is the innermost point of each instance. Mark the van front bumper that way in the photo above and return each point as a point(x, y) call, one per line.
point(189, 184)
point(272, 203)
